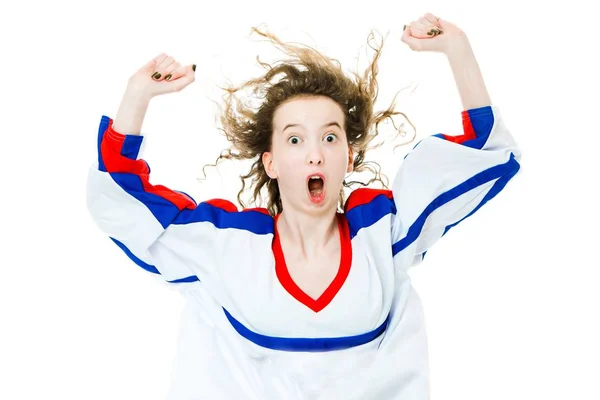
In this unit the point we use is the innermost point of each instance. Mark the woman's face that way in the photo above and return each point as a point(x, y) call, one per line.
point(309, 141)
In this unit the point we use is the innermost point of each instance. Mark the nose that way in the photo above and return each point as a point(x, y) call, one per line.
point(315, 157)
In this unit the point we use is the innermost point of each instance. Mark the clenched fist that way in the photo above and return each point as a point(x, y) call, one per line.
point(163, 74)
point(431, 33)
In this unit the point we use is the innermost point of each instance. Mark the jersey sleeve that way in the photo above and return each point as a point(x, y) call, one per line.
point(164, 231)
point(445, 179)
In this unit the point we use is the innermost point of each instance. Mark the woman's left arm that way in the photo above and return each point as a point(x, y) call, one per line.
point(447, 178)
point(430, 33)
point(468, 78)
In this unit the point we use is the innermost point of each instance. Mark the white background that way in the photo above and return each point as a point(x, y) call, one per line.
point(511, 295)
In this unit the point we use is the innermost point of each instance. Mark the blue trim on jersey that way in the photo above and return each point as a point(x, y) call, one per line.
point(188, 279)
point(505, 171)
point(414, 147)
point(131, 146)
point(104, 121)
point(151, 268)
point(482, 121)
point(252, 221)
point(168, 213)
point(306, 344)
point(367, 214)
point(146, 266)
point(163, 210)
point(496, 188)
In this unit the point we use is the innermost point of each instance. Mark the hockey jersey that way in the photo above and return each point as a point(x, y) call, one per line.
point(248, 331)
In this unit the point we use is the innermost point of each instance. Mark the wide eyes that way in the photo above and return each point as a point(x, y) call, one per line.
point(330, 138)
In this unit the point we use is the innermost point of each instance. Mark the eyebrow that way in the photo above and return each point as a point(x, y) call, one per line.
point(324, 126)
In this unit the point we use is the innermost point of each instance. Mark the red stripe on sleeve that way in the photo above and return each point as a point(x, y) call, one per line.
point(110, 150)
point(259, 209)
point(225, 205)
point(469, 132)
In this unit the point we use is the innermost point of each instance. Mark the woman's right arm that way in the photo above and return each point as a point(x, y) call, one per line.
point(131, 112)
point(162, 230)
point(160, 75)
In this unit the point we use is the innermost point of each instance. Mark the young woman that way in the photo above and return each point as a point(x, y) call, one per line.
point(308, 297)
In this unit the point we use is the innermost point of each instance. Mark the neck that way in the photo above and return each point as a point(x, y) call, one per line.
point(308, 233)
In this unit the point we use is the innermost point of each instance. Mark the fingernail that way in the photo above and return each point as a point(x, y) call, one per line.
point(168, 77)
point(404, 28)
point(156, 75)
point(430, 33)
point(194, 67)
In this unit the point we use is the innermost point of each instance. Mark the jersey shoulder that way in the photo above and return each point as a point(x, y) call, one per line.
point(365, 206)
point(228, 206)
point(366, 196)
point(224, 214)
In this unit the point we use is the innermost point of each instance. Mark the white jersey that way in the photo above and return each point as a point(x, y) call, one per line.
point(248, 331)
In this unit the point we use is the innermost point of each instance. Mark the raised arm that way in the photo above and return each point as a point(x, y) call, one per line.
point(447, 178)
point(162, 230)
point(160, 75)
point(467, 75)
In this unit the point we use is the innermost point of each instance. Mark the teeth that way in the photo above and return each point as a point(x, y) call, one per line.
point(315, 177)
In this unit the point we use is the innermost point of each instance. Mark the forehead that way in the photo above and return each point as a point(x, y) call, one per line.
point(311, 112)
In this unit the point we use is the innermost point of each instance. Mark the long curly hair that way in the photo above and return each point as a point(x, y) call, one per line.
point(305, 72)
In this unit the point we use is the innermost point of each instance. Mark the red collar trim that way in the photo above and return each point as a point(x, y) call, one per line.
point(334, 287)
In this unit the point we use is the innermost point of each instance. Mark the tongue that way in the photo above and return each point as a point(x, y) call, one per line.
point(315, 186)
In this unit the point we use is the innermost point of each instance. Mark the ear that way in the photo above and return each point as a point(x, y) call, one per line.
point(350, 160)
point(267, 160)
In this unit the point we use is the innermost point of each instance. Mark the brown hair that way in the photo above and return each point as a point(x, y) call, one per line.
point(306, 73)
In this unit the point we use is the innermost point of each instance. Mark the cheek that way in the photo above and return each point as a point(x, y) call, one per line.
point(341, 160)
point(288, 165)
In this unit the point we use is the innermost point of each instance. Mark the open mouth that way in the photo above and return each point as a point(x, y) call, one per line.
point(316, 188)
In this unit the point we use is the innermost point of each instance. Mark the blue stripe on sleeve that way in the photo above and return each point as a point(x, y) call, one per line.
point(496, 188)
point(104, 121)
point(146, 266)
point(506, 170)
point(252, 221)
point(131, 146)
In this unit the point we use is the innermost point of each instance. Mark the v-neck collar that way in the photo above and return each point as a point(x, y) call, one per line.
point(336, 284)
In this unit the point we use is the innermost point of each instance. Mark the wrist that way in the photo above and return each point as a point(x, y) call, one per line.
point(458, 49)
point(131, 112)
point(135, 95)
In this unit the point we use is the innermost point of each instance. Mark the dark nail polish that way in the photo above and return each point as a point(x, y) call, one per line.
point(168, 77)
point(404, 28)
point(194, 67)
point(156, 75)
